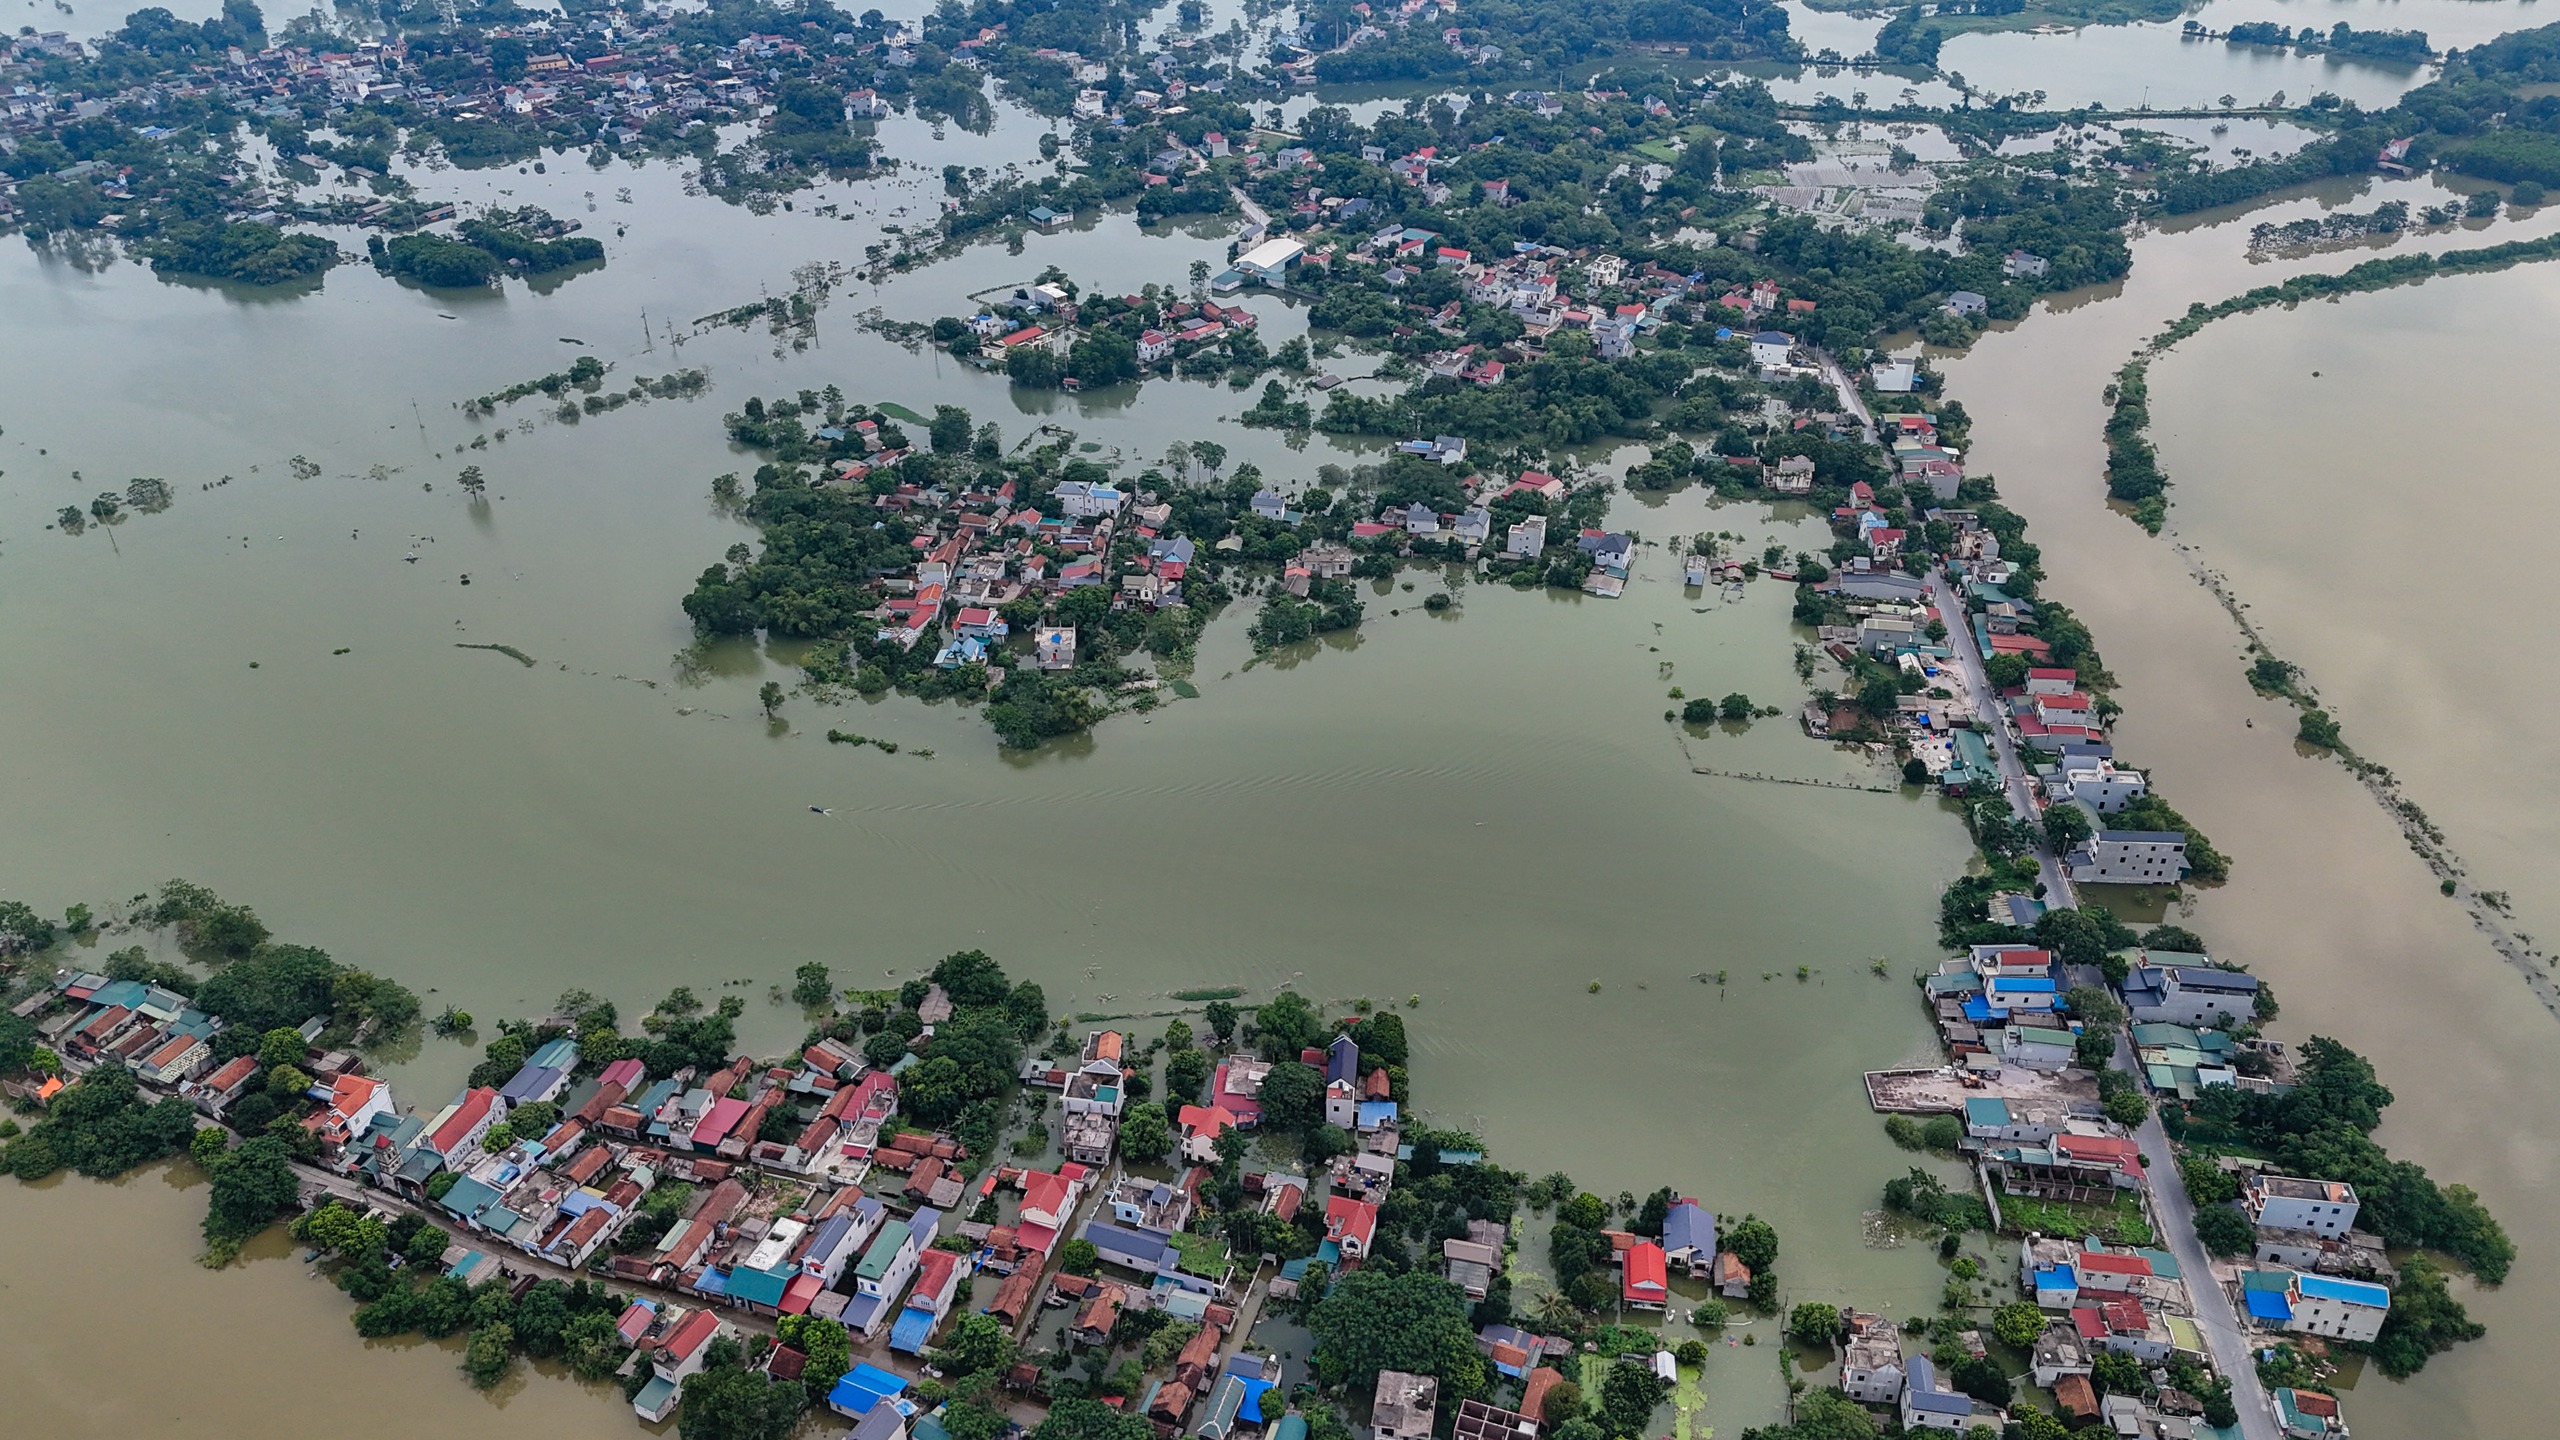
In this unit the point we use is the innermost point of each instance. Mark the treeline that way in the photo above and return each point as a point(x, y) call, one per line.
point(2133, 466)
point(2322, 1129)
point(2406, 46)
point(2474, 117)
point(2371, 275)
point(1563, 399)
point(244, 251)
point(1545, 38)
point(479, 253)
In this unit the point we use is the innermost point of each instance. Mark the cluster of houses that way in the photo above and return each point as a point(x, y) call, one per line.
point(983, 549)
point(610, 74)
point(2033, 1130)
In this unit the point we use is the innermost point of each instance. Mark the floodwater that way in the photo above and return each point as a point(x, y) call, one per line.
point(2127, 67)
point(2316, 511)
point(1481, 812)
point(116, 1330)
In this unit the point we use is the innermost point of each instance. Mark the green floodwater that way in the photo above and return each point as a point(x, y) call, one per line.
point(1484, 809)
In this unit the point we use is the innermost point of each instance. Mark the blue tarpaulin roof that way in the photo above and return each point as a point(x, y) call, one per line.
point(863, 1387)
point(2268, 1305)
point(908, 1335)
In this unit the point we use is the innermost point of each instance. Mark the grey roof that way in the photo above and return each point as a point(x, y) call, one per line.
point(1136, 1243)
point(1688, 1226)
point(2202, 977)
point(1920, 1392)
point(2145, 837)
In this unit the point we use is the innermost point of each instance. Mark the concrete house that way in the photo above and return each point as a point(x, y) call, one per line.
point(1871, 1370)
point(2129, 857)
point(2280, 1202)
point(2197, 995)
point(1527, 539)
point(1926, 1407)
point(2096, 783)
point(2323, 1305)
point(1350, 1225)
point(1404, 1406)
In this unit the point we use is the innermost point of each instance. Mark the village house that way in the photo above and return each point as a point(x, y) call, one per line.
point(2281, 1202)
point(1404, 1407)
point(2129, 857)
point(2190, 994)
point(2323, 1305)
point(1927, 1407)
point(1871, 1370)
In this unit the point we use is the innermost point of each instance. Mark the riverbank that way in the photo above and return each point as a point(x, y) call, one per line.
point(2135, 476)
point(2326, 905)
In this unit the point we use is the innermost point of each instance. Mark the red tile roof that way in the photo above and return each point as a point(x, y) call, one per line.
point(473, 1109)
point(1647, 1277)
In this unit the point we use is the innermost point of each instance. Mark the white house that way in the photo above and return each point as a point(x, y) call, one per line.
point(1771, 347)
point(2129, 857)
point(2281, 1202)
point(1871, 1370)
point(2321, 1305)
point(1528, 539)
point(1084, 500)
point(1926, 1407)
point(2097, 784)
point(2195, 995)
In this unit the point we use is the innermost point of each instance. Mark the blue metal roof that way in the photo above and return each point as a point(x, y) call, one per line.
point(2032, 984)
point(863, 1387)
point(2268, 1305)
point(2350, 1292)
point(2057, 1277)
point(908, 1335)
point(1128, 1240)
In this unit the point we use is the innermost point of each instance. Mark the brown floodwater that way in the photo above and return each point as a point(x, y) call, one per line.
point(2317, 513)
point(1483, 811)
point(114, 1330)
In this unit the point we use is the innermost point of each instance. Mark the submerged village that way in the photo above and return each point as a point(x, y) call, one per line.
point(951, 1214)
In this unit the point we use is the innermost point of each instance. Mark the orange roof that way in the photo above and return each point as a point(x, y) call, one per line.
point(1533, 1395)
point(1199, 1119)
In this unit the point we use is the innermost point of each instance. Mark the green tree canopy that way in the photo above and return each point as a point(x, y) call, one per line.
point(1372, 1320)
point(1287, 1025)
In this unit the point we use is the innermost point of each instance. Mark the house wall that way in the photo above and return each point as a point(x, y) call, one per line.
point(2118, 863)
point(2321, 1217)
point(2313, 1315)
